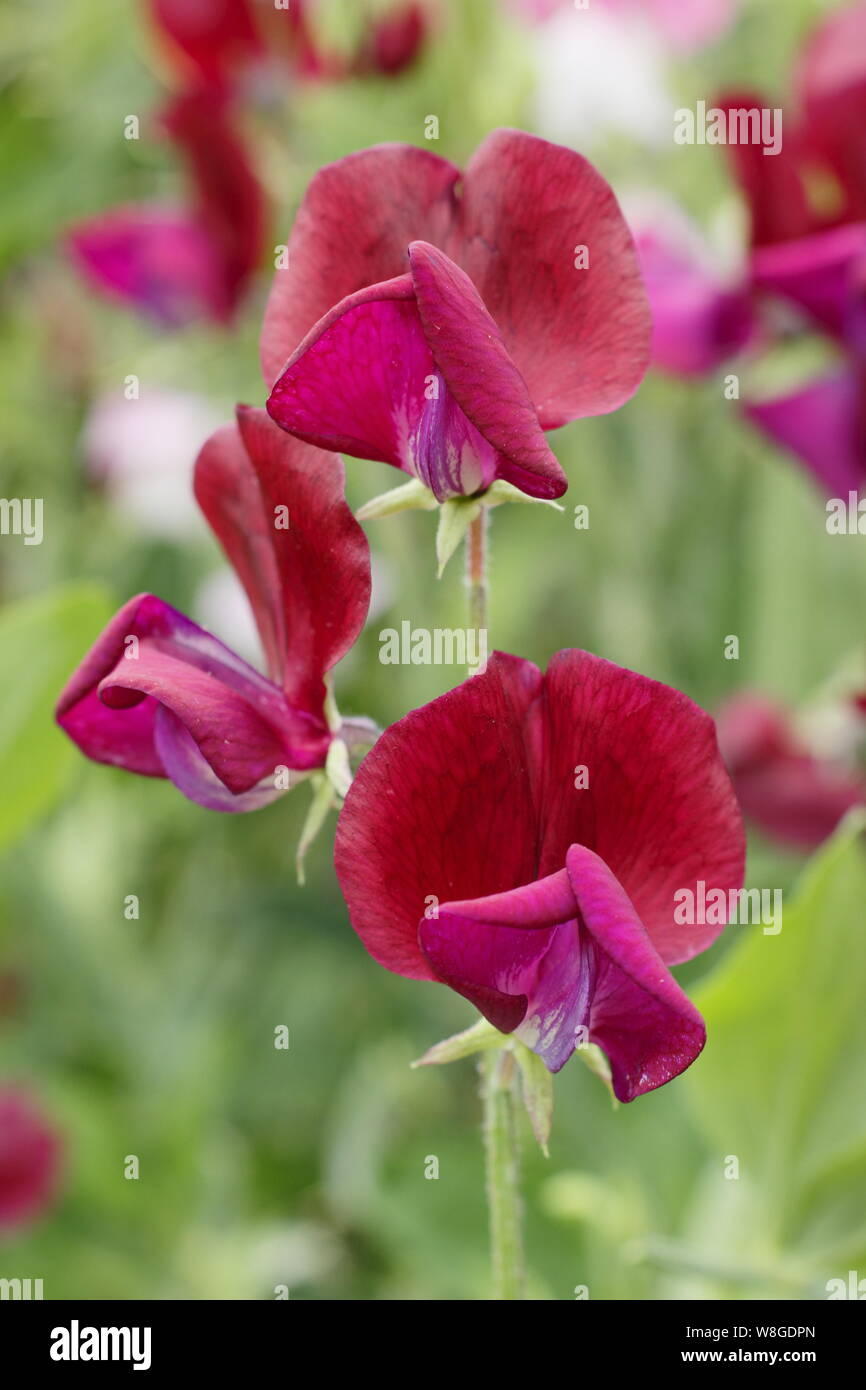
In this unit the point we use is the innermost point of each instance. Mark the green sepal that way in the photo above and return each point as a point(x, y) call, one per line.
point(411, 496)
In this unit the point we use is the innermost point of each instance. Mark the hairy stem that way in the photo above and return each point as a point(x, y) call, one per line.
point(502, 1173)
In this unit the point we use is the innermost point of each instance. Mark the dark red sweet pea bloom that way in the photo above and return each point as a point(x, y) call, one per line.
point(30, 1157)
point(181, 264)
point(786, 790)
point(160, 696)
point(437, 321)
point(522, 839)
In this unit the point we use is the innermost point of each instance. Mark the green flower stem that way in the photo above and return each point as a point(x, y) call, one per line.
point(502, 1172)
point(476, 571)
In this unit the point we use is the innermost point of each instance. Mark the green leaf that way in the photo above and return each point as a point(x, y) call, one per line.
point(481, 1036)
point(780, 1086)
point(42, 640)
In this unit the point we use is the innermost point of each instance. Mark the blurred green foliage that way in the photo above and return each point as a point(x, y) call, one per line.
point(155, 1036)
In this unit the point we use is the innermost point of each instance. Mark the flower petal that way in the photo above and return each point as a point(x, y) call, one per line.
point(580, 337)
point(468, 349)
point(659, 808)
point(565, 953)
point(818, 273)
point(352, 230)
point(238, 719)
point(278, 508)
point(441, 809)
point(159, 261)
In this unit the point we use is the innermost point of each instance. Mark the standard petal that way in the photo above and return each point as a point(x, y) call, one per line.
point(579, 337)
point(823, 425)
point(442, 809)
point(633, 772)
point(214, 39)
point(278, 508)
point(151, 655)
point(352, 230)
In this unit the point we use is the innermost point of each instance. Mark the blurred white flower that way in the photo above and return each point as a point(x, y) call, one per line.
point(599, 73)
point(143, 451)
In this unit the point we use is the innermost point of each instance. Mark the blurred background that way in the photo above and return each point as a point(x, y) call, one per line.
point(151, 1036)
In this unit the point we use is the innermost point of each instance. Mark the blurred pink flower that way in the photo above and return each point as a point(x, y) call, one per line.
point(786, 789)
point(685, 25)
point(30, 1156)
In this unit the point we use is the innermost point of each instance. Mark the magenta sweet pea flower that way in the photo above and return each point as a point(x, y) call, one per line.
point(160, 696)
point(786, 790)
point(179, 264)
point(522, 839)
point(30, 1159)
point(441, 322)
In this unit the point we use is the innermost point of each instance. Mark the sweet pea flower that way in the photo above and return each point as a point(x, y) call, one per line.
point(30, 1157)
point(523, 839)
point(440, 321)
point(160, 696)
point(787, 789)
point(180, 264)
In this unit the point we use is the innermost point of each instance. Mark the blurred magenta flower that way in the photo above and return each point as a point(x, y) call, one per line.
point(522, 839)
point(218, 41)
point(177, 265)
point(440, 321)
point(786, 790)
point(160, 696)
point(30, 1158)
point(700, 317)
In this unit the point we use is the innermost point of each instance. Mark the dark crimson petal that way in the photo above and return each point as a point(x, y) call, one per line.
point(228, 198)
point(356, 383)
point(476, 367)
point(158, 261)
point(352, 230)
point(309, 582)
point(442, 809)
point(659, 808)
point(238, 719)
point(580, 338)
point(822, 424)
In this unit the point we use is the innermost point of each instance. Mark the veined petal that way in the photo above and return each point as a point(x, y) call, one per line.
point(352, 230)
point(580, 337)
